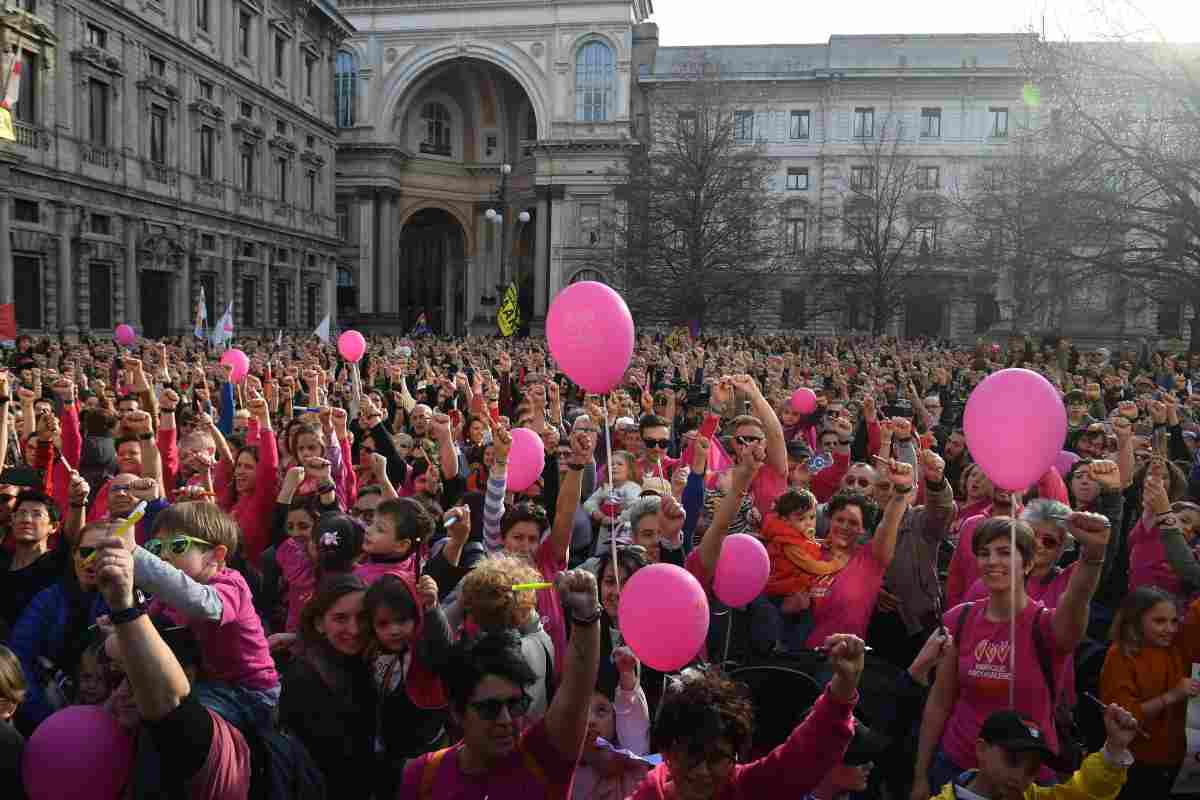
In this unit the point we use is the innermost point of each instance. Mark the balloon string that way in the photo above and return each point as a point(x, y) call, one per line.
point(1012, 623)
point(612, 525)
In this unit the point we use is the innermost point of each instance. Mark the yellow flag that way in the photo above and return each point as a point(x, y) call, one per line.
point(6, 126)
point(508, 316)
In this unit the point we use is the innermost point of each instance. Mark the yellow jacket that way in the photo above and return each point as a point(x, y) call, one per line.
point(1096, 779)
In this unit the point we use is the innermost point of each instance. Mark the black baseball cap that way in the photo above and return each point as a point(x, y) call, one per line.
point(798, 451)
point(1015, 733)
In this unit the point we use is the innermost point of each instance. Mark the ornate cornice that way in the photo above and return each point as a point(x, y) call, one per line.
point(207, 109)
point(25, 24)
point(283, 143)
point(249, 129)
point(155, 84)
point(312, 157)
point(98, 58)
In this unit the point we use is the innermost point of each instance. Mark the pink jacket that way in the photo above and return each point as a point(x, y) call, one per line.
point(791, 770)
point(253, 513)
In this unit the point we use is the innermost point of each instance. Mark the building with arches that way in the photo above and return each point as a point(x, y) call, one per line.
point(479, 145)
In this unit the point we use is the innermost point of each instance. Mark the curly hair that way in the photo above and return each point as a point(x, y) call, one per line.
point(487, 594)
point(702, 709)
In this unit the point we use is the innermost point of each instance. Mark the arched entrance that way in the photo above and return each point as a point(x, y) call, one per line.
point(431, 276)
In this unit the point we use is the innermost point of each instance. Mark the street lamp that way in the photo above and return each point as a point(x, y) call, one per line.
point(495, 216)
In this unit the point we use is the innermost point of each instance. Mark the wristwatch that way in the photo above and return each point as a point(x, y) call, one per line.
point(127, 614)
point(590, 619)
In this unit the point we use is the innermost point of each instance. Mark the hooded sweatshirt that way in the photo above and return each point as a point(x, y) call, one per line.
point(1096, 779)
point(790, 770)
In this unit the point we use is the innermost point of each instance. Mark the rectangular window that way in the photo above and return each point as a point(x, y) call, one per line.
point(998, 129)
point(924, 239)
point(158, 66)
point(743, 126)
point(202, 15)
point(249, 301)
point(27, 100)
point(246, 110)
point(208, 242)
point(687, 123)
point(929, 177)
point(1170, 318)
point(792, 308)
point(864, 123)
point(27, 211)
point(282, 168)
point(245, 24)
point(101, 224)
point(100, 294)
point(797, 178)
point(206, 89)
point(310, 141)
point(931, 123)
point(862, 178)
point(158, 134)
point(280, 127)
point(310, 184)
point(247, 167)
point(992, 178)
point(343, 223)
point(98, 112)
point(207, 151)
point(27, 291)
point(797, 236)
point(248, 250)
point(97, 36)
point(280, 56)
point(309, 69)
point(281, 304)
point(799, 126)
point(310, 306)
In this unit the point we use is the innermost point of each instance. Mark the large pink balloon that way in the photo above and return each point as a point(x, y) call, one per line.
point(1064, 461)
point(352, 345)
point(239, 362)
point(125, 335)
point(742, 570)
point(78, 753)
point(664, 616)
point(591, 336)
point(526, 459)
point(1015, 424)
point(804, 400)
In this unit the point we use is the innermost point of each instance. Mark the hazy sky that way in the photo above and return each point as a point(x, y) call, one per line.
point(692, 22)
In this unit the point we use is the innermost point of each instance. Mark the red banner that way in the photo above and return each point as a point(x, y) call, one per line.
point(8, 322)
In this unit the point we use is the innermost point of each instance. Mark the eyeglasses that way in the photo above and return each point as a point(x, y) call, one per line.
point(748, 440)
point(850, 480)
point(661, 444)
point(490, 709)
point(84, 555)
point(177, 545)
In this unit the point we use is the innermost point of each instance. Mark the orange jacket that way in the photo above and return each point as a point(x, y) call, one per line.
point(795, 558)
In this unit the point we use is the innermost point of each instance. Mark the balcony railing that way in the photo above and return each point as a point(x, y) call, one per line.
point(160, 173)
point(96, 155)
point(210, 189)
point(435, 149)
point(30, 135)
point(248, 200)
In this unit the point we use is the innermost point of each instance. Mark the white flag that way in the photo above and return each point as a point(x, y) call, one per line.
point(223, 330)
point(201, 315)
point(322, 331)
point(279, 338)
point(12, 92)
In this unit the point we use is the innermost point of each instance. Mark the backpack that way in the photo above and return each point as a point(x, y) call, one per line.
point(281, 768)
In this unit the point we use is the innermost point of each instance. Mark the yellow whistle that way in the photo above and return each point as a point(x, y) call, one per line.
point(134, 517)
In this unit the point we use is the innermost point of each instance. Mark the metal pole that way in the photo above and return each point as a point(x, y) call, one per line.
point(503, 231)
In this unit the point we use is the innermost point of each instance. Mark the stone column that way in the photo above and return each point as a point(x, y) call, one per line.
point(6, 256)
point(541, 255)
point(389, 237)
point(227, 279)
point(366, 253)
point(299, 294)
point(268, 250)
point(330, 293)
point(66, 284)
point(133, 307)
point(186, 311)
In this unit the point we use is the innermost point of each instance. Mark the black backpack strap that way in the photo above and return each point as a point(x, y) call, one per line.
point(1043, 656)
point(549, 674)
point(962, 621)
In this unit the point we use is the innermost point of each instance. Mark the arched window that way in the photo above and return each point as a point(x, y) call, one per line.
point(345, 87)
point(437, 129)
point(595, 82)
point(588, 274)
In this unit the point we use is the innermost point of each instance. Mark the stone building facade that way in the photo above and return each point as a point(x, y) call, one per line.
point(169, 146)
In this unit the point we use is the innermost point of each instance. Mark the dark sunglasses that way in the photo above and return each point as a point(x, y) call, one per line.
point(747, 440)
point(490, 709)
point(661, 444)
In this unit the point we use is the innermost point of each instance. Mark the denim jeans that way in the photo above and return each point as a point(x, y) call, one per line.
point(245, 709)
point(942, 771)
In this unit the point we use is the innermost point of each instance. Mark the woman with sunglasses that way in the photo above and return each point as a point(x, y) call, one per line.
point(329, 697)
point(53, 631)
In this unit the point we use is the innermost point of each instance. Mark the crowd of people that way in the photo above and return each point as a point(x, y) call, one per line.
point(317, 578)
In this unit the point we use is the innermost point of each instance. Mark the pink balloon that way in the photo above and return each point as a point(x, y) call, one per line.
point(239, 362)
point(526, 459)
point(804, 400)
point(742, 570)
point(78, 753)
point(352, 345)
point(664, 616)
point(1015, 424)
point(125, 335)
point(591, 336)
point(1064, 461)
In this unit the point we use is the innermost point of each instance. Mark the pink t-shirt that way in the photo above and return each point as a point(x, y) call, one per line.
point(535, 769)
point(226, 771)
point(234, 650)
point(766, 488)
point(298, 575)
point(843, 601)
point(1148, 564)
point(549, 608)
point(984, 676)
point(371, 571)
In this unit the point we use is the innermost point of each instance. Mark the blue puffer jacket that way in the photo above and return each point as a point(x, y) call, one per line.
point(41, 632)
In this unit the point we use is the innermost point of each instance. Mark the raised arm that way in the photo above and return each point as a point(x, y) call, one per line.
point(567, 718)
point(883, 543)
point(743, 475)
point(776, 445)
point(1092, 532)
point(582, 446)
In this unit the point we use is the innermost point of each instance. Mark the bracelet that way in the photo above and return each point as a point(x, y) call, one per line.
point(127, 615)
point(4, 398)
point(165, 410)
point(591, 619)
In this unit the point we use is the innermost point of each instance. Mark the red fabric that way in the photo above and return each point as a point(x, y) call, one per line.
point(826, 482)
point(253, 513)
